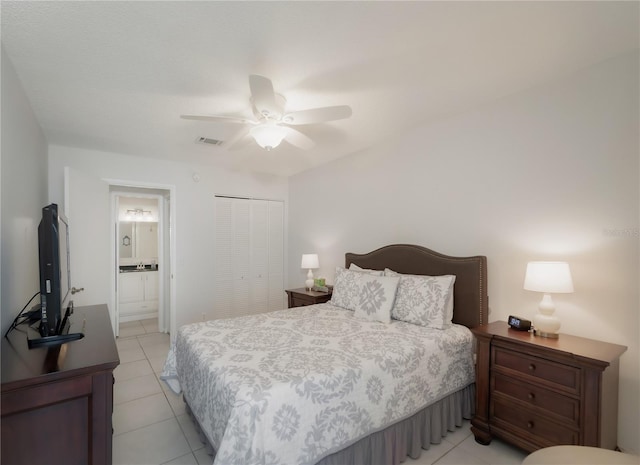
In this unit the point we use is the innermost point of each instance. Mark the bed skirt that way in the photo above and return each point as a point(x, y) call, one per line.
point(408, 437)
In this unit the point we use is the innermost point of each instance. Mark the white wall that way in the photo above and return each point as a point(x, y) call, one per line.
point(193, 226)
point(551, 173)
point(23, 194)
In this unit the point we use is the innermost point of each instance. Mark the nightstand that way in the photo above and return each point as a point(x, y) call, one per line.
point(535, 392)
point(301, 297)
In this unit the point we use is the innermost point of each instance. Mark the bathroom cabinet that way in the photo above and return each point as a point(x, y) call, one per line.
point(138, 295)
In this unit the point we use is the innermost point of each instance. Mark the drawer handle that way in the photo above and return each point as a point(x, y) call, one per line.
point(532, 367)
point(531, 396)
point(530, 424)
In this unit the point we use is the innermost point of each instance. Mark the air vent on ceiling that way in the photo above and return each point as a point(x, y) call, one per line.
point(207, 140)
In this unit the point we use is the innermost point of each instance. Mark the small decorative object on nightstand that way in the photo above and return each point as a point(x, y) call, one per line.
point(547, 277)
point(536, 392)
point(310, 262)
point(302, 297)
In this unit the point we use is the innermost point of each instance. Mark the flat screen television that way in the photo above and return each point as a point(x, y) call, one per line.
point(55, 272)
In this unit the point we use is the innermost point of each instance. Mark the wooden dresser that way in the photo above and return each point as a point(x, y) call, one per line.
point(57, 402)
point(536, 392)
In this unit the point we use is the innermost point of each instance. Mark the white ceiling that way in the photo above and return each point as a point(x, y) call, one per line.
point(115, 76)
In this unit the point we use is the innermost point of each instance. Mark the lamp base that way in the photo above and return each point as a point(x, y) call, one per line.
point(309, 282)
point(545, 334)
point(545, 323)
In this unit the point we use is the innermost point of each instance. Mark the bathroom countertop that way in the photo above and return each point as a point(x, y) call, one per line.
point(134, 268)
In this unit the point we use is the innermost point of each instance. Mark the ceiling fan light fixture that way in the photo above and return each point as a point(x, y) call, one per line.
point(271, 123)
point(268, 136)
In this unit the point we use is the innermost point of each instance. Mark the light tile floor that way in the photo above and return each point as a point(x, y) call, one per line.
point(151, 426)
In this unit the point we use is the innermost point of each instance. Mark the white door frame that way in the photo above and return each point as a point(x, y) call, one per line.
point(171, 221)
point(115, 202)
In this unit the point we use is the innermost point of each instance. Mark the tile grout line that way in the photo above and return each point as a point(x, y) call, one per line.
point(162, 391)
point(173, 413)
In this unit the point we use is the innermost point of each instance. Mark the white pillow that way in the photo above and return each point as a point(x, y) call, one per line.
point(354, 267)
point(424, 300)
point(376, 296)
point(346, 287)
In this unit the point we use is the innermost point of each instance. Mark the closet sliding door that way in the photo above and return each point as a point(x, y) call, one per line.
point(259, 255)
point(249, 256)
point(231, 293)
point(276, 256)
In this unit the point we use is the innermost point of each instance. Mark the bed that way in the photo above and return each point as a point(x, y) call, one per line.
point(316, 385)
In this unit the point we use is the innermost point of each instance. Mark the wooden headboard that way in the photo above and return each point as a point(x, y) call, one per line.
point(470, 298)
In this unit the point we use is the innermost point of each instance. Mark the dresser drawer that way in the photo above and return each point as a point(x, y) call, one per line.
point(558, 405)
point(42, 396)
point(298, 302)
point(530, 368)
point(534, 426)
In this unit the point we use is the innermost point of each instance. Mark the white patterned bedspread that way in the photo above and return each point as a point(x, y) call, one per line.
point(293, 386)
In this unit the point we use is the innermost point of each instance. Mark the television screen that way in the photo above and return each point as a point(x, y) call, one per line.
point(65, 269)
point(55, 273)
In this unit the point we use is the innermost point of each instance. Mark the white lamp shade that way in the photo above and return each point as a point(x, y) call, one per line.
point(548, 277)
point(310, 261)
point(268, 136)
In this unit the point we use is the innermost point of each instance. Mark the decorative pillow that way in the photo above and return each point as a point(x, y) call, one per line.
point(346, 287)
point(424, 300)
point(376, 296)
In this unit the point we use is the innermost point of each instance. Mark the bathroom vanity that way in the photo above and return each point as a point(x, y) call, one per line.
point(138, 293)
point(138, 273)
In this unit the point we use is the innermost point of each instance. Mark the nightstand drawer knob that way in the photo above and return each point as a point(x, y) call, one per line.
point(532, 367)
point(530, 424)
point(531, 396)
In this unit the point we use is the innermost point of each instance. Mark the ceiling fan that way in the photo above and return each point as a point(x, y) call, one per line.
point(273, 123)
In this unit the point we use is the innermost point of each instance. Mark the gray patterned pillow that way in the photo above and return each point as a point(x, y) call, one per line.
point(424, 300)
point(376, 297)
point(346, 287)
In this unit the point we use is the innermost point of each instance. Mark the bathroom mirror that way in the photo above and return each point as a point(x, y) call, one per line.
point(138, 240)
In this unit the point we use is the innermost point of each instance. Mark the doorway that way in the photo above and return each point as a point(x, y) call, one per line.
point(142, 260)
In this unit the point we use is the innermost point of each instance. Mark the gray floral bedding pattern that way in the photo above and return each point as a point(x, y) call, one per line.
point(295, 385)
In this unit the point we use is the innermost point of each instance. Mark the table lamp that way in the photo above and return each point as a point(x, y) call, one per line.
point(309, 261)
point(547, 277)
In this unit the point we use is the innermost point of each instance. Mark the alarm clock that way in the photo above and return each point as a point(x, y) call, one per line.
point(521, 324)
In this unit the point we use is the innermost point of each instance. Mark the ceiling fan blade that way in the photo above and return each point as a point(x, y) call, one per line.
point(318, 115)
point(220, 119)
point(237, 141)
point(263, 96)
point(297, 139)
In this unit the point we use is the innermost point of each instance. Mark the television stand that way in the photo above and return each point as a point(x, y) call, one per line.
point(56, 402)
point(57, 339)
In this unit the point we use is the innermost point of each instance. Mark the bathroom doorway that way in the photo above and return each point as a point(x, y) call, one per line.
point(142, 259)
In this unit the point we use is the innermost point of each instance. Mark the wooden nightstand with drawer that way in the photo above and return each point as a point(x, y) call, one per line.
point(535, 392)
point(301, 297)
